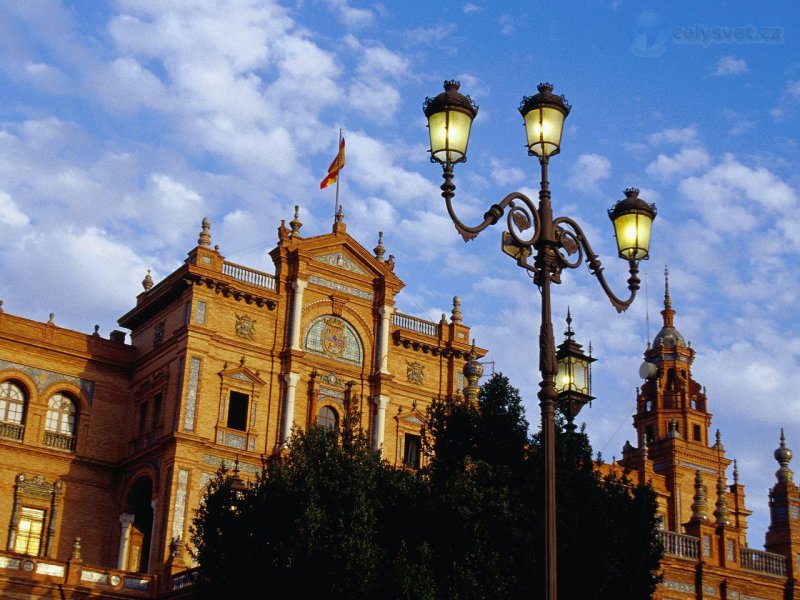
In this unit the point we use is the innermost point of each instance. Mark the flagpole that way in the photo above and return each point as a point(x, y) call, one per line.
point(338, 173)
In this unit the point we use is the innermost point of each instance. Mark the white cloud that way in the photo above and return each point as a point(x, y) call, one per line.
point(125, 85)
point(504, 175)
point(471, 8)
point(9, 212)
point(588, 171)
point(730, 196)
point(730, 65)
point(684, 136)
point(688, 160)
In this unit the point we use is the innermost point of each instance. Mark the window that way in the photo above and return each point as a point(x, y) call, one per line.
point(156, 410)
point(648, 435)
point(327, 417)
point(59, 426)
point(187, 312)
point(29, 531)
point(696, 433)
point(237, 411)
point(730, 551)
point(142, 417)
point(411, 451)
point(12, 410)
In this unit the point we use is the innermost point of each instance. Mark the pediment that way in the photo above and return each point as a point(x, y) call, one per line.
point(341, 261)
point(414, 418)
point(243, 374)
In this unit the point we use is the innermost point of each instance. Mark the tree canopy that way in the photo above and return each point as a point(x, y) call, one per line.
point(331, 517)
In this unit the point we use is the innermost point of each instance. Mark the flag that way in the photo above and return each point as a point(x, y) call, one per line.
point(336, 166)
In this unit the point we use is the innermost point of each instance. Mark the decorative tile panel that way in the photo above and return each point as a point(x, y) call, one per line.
point(45, 378)
point(200, 314)
point(334, 338)
point(179, 507)
point(340, 287)
point(191, 394)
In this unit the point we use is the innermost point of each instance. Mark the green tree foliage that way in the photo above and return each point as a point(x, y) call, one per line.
point(332, 519)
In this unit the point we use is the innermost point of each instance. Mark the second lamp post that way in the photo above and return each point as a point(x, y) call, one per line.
point(538, 242)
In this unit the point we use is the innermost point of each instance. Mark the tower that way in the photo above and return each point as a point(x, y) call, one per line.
point(672, 423)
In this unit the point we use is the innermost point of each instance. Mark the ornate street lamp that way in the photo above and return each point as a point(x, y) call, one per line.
point(574, 376)
point(539, 243)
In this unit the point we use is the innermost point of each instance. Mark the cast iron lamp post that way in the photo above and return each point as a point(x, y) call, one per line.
point(539, 243)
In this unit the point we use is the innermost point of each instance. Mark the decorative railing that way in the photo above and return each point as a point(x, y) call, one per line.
point(415, 324)
point(184, 579)
point(247, 275)
point(678, 544)
point(61, 441)
point(11, 431)
point(763, 562)
point(57, 576)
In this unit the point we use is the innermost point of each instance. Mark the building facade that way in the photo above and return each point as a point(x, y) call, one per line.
point(106, 446)
point(703, 515)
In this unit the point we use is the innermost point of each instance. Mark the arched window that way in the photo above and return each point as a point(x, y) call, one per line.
point(12, 410)
point(59, 426)
point(327, 417)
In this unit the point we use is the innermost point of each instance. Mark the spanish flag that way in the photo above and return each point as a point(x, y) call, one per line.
point(336, 166)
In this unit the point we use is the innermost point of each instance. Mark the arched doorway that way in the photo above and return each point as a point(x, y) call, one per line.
point(138, 505)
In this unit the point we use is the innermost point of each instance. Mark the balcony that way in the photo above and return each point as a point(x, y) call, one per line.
point(11, 431)
point(61, 441)
point(763, 562)
point(680, 545)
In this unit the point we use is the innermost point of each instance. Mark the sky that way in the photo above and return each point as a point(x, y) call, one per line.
point(124, 123)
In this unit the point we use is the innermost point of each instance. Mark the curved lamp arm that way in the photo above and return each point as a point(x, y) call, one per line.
point(494, 213)
point(593, 262)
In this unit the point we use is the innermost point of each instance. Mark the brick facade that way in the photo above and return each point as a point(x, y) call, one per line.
point(223, 362)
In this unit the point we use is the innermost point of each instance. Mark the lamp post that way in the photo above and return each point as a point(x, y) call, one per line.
point(538, 242)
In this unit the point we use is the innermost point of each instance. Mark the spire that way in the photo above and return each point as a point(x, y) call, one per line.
point(147, 282)
point(295, 223)
point(455, 315)
point(700, 505)
point(735, 472)
point(668, 313)
point(784, 456)
point(379, 250)
point(473, 371)
point(204, 239)
point(569, 333)
point(721, 510)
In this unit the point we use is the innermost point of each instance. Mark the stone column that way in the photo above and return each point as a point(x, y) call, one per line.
point(125, 520)
point(381, 402)
point(298, 285)
point(386, 315)
point(291, 380)
point(153, 505)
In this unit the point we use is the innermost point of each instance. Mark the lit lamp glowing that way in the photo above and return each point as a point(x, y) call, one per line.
point(450, 116)
point(633, 219)
point(544, 115)
point(574, 376)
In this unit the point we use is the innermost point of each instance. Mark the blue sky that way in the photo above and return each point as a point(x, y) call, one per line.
point(123, 123)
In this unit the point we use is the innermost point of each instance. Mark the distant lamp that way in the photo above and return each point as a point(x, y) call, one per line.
point(450, 116)
point(633, 219)
point(574, 376)
point(544, 115)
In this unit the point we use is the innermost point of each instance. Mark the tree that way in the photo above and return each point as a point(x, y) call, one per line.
point(329, 519)
point(486, 480)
